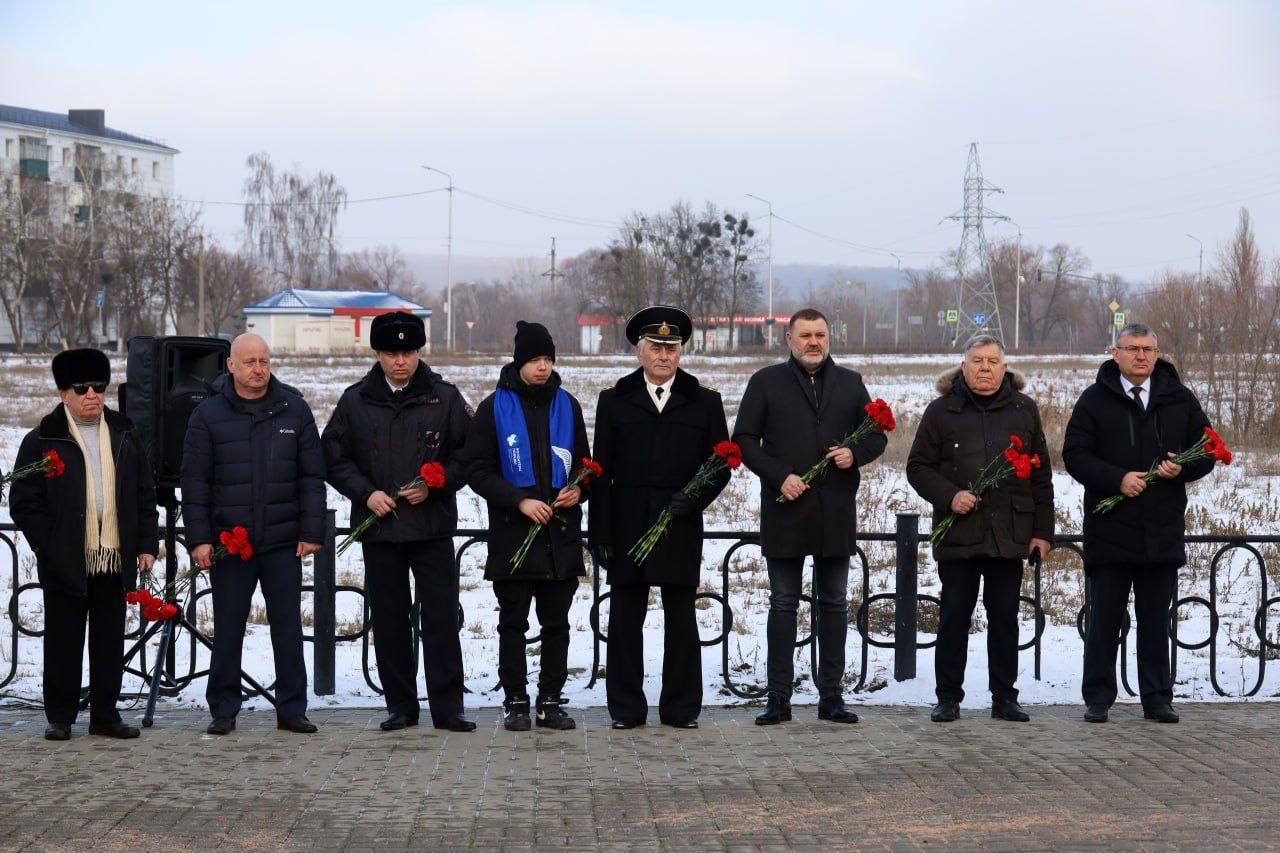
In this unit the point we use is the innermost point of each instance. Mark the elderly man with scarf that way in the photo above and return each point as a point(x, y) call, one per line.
point(91, 528)
point(525, 446)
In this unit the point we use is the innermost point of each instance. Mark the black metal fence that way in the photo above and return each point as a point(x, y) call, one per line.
point(905, 597)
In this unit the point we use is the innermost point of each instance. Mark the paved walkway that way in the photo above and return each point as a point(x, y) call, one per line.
point(894, 781)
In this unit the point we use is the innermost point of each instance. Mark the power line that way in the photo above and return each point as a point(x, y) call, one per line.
point(308, 201)
point(859, 246)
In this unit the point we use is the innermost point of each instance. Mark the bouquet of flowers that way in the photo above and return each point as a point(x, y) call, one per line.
point(431, 475)
point(1011, 461)
point(879, 418)
point(158, 601)
point(590, 468)
point(50, 465)
point(727, 454)
point(1209, 445)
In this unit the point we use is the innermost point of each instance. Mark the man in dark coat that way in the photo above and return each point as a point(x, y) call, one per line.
point(526, 445)
point(252, 459)
point(386, 426)
point(92, 528)
point(961, 433)
point(1135, 416)
point(792, 415)
point(654, 429)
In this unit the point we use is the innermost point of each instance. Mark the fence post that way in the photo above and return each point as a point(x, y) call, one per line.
point(907, 538)
point(324, 606)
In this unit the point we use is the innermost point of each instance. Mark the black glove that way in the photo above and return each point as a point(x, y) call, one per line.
point(604, 553)
point(682, 505)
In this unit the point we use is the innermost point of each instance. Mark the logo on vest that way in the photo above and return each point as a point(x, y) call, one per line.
point(288, 431)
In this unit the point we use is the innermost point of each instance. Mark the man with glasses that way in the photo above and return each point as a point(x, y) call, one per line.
point(252, 458)
point(92, 528)
point(1130, 421)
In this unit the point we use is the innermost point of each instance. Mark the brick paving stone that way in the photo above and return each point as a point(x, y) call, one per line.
point(895, 781)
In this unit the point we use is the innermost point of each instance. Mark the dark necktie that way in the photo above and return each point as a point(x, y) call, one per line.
point(658, 392)
point(1136, 391)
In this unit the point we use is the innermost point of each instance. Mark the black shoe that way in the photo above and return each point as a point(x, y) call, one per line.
point(681, 724)
point(1009, 710)
point(1095, 714)
point(945, 712)
point(57, 731)
point(1162, 713)
point(516, 718)
point(627, 724)
point(551, 715)
point(221, 726)
point(397, 721)
point(456, 723)
point(115, 729)
point(298, 725)
point(777, 711)
point(836, 711)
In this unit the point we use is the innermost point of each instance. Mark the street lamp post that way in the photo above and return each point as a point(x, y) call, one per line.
point(897, 292)
point(769, 320)
point(448, 266)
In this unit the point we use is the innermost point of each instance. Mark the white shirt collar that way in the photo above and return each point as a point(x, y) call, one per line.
point(394, 388)
point(665, 386)
point(1129, 386)
point(659, 400)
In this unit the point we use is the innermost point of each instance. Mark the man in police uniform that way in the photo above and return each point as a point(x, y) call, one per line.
point(401, 415)
point(654, 429)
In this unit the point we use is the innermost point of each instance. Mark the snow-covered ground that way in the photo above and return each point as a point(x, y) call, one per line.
point(1242, 498)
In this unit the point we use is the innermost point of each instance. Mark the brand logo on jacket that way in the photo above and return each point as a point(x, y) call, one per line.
point(288, 431)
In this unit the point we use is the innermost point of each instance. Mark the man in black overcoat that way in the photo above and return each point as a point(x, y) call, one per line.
point(401, 415)
point(526, 445)
point(981, 404)
point(92, 528)
point(654, 429)
point(792, 415)
point(1136, 415)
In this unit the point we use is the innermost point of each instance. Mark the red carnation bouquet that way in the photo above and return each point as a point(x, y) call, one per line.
point(431, 475)
point(158, 601)
point(726, 454)
point(50, 464)
point(879, 419)
point(234, 542)
point(1209, 445)
point(590, 468)
point(1011, 461)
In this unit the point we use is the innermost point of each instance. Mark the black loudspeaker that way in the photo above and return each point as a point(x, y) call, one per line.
point(165, 379)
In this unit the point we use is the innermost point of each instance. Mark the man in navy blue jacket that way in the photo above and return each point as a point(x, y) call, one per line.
point(252, 458)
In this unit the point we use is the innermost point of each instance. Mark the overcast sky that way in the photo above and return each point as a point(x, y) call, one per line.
point(1116, 127)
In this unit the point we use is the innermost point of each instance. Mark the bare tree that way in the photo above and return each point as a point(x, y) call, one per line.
point(290, 223)
point(379, 268)
point(25, 218)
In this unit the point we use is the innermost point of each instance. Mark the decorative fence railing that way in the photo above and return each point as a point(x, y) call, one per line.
point(905, 640)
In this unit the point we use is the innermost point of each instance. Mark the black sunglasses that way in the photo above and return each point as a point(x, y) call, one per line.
point(82, 388)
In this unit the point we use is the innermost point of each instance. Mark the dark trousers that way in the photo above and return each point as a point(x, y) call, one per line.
point(1001, 585)
point(233, 581)
point(553, 600)
point(387, 566)
point(1108, 588)
point(681, 698)
point(65, 617)
point(831, 622)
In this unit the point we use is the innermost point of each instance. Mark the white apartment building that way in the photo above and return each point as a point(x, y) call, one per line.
point(70, 153)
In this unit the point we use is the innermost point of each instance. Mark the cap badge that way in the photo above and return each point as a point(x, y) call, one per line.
point(664, 329)
point(401, 336)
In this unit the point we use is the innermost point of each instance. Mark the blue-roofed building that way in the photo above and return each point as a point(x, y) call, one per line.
point(325, 321)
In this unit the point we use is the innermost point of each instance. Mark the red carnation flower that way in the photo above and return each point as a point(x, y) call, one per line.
point(168, 611)
point(53, 465)
point(432, 473)
point(132, 596)
point(1035, 460)
point(1010, 454)
point(151, 612)
point(1015, 441)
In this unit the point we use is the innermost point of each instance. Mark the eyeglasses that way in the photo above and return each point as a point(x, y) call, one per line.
point(1134, 350)
point(82, 388)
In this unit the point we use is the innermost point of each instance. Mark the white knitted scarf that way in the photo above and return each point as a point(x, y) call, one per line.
point(101, 546)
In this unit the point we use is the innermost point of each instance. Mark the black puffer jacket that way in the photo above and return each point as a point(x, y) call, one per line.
point(956, 439)
point(375, 441)
point(50, 511)
point(557, 552)
point(1109, 435)
point(263, 471)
